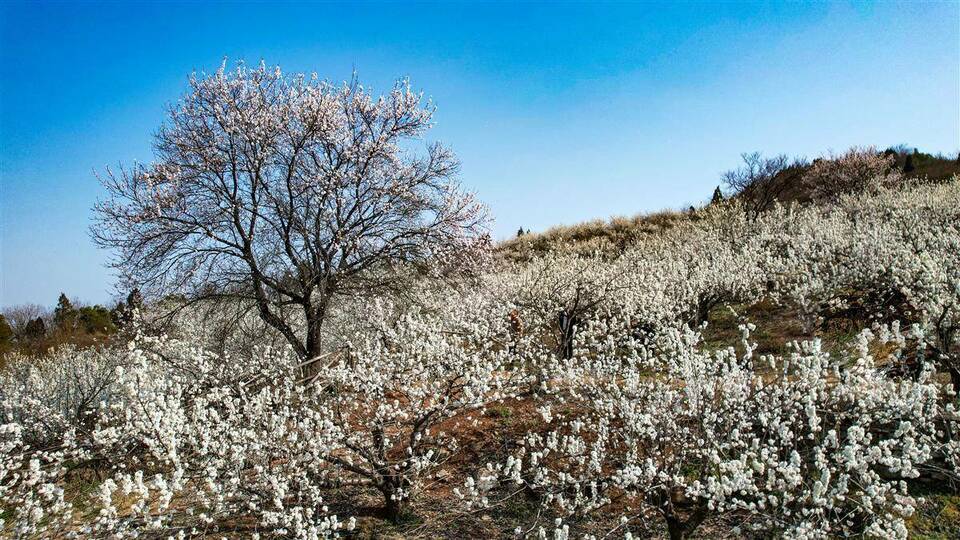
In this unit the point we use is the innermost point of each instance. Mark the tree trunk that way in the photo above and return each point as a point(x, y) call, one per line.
point(314, 333)
point(671, 503)
point(567, 322)
point(394, 504)
point(393, 508)
point(676, 528)
point(278, 323)
point(681, 529)
point(314, 315)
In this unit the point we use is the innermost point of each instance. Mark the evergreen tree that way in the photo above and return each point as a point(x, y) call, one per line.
point(908, 164)
point(35, 329)
point(717, 196)
point(520, 232)
point(6, 334)
point(122, 315)
point(64, 315)
point(96, 319)
point(119, 315)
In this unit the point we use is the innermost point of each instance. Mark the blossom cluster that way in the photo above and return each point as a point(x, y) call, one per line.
point(806, 445)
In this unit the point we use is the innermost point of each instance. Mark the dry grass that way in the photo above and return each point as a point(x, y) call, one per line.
point(610, 236)
point(937, 516)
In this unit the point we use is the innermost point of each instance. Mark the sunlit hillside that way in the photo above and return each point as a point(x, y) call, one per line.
point(732, 370)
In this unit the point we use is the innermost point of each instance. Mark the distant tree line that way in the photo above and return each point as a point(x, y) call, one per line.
point(764, 181)
point(32, 328)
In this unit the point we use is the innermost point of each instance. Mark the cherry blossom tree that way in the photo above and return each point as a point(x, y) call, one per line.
point(894, 245)
point(286, 191)
point(854, 171)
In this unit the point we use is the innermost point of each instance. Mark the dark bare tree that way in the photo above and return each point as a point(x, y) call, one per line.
point(21, 315)
point(761, 181)
point(286, 191)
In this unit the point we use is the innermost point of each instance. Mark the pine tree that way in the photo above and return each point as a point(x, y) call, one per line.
point(96, 320)
point(35, 329)
point(520, 232)
point(6, 334)
point(717, 196)
point(908, 164)
point(64, 315)
point(118, 315)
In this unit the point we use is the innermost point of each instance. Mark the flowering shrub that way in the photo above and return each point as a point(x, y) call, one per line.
point(52, 395)
point(391, 392)
point(891, 245)
point(246, 437)
point(803, 445)
point(648, 437)
point(855, 171)
point(189, 425)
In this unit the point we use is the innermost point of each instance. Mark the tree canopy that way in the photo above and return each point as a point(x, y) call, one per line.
point(286, 191)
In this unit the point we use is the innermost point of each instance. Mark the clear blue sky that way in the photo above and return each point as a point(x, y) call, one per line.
point(559, 112)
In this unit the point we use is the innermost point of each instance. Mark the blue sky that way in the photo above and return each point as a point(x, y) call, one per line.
point(559, 112)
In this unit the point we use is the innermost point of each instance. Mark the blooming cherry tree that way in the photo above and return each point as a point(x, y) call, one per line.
point(287, 191)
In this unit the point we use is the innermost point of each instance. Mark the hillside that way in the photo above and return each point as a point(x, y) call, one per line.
point(568, 393)
point(786, 186)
